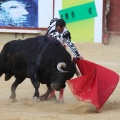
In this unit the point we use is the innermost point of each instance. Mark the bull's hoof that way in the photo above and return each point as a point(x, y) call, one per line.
point(36, 98)
point(12, 97)
point(43, 98)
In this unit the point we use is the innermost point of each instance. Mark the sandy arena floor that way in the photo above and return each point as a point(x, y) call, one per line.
point(28, 109)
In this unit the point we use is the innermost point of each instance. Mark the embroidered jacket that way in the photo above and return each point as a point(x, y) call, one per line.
point(64, 37)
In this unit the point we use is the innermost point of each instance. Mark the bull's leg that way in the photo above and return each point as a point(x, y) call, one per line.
point(45, 96)
point(34, 79)
point(36, 86)
point(14, 86)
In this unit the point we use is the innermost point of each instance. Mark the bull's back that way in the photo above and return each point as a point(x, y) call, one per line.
point(35, 49)
point(27, 47)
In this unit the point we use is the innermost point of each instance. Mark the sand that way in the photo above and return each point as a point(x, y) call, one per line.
point(27, 108)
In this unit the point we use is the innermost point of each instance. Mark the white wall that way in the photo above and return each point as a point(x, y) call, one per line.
point(45, 12)
point(58, 6)
point(98, 21)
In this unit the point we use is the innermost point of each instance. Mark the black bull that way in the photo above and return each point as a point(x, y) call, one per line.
point(41, 59)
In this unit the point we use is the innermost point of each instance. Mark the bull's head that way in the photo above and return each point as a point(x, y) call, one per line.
point(65, 71)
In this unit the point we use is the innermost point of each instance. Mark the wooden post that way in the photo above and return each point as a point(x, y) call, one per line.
point(105, 31)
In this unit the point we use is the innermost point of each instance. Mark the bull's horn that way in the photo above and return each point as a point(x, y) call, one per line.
point(61, 64)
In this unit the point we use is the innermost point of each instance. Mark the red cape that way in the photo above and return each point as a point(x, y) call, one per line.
point(95, 85)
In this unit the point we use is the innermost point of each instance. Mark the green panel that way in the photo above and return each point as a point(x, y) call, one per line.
point(80, 12)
